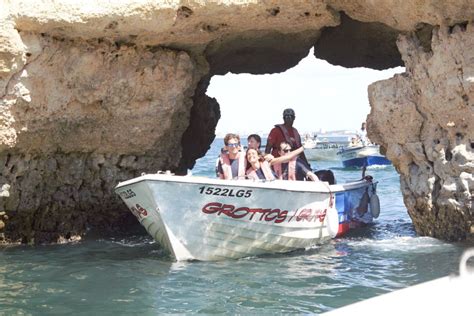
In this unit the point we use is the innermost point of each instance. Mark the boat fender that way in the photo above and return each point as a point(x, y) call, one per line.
point(375, 205)
point(332, 221)
point(363, 204)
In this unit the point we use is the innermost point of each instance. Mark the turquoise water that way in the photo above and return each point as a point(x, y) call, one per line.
point(130, 275)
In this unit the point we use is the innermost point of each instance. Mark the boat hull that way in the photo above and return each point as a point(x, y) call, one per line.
point(365, 161)
point(323, 149)
point(323, 152)
point(212, 219)
point(362, 156)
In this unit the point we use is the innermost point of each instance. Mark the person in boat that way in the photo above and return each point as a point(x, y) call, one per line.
point(285, 133)
point(355, 142)
point(260, 166)
point(295, 169)
point(254, 141)
point(362, 134)
point(232, 162)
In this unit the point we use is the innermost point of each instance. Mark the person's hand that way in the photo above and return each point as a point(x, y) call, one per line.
point(268, 157)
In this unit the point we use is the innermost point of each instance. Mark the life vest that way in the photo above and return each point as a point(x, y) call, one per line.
point(286, 134)
point(291, 170)
point(267, 171)
point(227, 168)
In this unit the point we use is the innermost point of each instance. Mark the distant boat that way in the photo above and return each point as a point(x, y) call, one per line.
point(309, 141)
point(197, 218)
point(325, 147)
point(361, 156)
point(324, 150)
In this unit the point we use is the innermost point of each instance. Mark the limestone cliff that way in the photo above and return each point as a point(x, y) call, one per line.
point(92, 94)
point(425, 120)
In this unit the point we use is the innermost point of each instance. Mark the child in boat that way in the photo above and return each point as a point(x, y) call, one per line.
point(294, 169)
point(254, 141)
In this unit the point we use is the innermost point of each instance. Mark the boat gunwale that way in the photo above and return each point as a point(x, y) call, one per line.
point(334, 188)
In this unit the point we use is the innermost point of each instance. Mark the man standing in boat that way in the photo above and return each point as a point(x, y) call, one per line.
point(232, 162)
point(362, 134)
point(285, 132)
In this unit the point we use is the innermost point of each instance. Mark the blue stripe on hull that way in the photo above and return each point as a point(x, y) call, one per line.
point(366, 161)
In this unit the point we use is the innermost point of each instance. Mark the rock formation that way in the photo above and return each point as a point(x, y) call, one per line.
point(95, 94)
point(425, 120)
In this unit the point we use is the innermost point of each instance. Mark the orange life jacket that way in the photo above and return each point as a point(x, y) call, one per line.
point(267, 171)
point(291, 170)
point(227, 168)
point(286, 134)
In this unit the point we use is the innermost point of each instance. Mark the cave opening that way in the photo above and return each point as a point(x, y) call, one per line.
point(326, 98)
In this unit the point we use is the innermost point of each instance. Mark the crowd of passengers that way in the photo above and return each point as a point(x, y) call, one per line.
point(283, 159)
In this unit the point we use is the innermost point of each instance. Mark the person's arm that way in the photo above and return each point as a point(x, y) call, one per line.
point(286, 158)
point(219, 170)
point(268, 157)
point(312, 176)
point(303, 157)
point(269, 147)
point(270, 141)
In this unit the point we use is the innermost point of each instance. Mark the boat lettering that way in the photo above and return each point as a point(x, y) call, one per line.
point(127, 194)
point(139, 211)
point(309, 214)
point(225, 192)
point(260, 214)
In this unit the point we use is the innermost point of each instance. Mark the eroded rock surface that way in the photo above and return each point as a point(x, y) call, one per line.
point(425, 120)
point(95, 94)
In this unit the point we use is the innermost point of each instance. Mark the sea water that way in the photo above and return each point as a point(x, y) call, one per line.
point(132, 275)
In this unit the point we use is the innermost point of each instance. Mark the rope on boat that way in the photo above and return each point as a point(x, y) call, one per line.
point(331, 202)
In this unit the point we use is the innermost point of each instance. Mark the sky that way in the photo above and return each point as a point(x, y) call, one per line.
point(324, 97)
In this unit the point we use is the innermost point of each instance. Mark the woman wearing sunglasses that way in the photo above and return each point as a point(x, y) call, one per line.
point(294, 169)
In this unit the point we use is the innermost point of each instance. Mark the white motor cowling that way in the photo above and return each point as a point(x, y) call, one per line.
point(375, 205)
point(332, 221)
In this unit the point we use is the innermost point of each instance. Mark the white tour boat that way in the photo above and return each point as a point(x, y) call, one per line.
point(324, 150)
point(325, 147)
point(197, 218)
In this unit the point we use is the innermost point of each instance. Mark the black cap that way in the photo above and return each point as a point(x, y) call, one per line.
point(289, 112)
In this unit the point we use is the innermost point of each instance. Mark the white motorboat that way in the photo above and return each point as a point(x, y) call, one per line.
point(197, 218)
point(325, 147)
point(309, 142)
point(324, 150)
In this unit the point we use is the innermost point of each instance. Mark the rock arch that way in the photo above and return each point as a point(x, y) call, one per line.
point(94, 95)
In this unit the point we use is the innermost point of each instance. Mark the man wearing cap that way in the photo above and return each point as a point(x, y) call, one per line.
point(285, 132)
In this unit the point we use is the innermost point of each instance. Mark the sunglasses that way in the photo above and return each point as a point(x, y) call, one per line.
point(288, 116)
point(286, 150)
point(233, 145)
